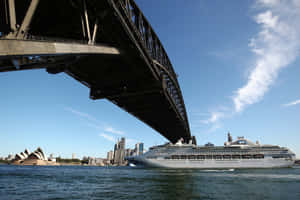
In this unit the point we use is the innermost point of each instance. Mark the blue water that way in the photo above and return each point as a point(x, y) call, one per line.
point(81, 182)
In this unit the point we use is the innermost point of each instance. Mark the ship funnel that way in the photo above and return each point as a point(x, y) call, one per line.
point(194, 141)
point(229, 137)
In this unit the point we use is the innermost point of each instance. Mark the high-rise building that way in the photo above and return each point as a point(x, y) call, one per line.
point(96, 161)
point(122, 150)
point(119, 152)
point(116, 153)
point(128, 152)
point(139, 148)
point(73, 156)
point(110, 156)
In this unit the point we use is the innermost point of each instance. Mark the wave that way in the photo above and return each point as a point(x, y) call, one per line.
point(217, 170)
point(255, 175)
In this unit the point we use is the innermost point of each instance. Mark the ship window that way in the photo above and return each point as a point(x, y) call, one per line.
point(208, 156)
point(236, 156)
point(242, 142)
point(258, 156)
point(280, 156)
point(217, 157)
point(191, 157)
point(151, 157)
point(246, 156)
point(175, 157)
point(183, 157)
point(200, 157)
point(226, 156)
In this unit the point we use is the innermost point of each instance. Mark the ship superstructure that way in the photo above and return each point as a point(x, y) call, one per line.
point(241, 153)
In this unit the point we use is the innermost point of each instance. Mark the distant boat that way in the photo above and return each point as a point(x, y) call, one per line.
point(241, 153)
point(132, 165)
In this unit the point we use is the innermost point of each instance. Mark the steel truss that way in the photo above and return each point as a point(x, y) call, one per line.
point(133, 21)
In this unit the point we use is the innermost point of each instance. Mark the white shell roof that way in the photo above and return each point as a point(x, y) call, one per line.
point(38, 153)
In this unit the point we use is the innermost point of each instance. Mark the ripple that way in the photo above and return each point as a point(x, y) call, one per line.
point(126, 183)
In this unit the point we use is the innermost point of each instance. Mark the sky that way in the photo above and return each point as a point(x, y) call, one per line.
point(238, 66)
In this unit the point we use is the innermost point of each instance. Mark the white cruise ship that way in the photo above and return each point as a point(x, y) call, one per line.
point(240, 153)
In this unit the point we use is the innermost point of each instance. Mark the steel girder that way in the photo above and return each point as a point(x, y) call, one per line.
point(118, 23)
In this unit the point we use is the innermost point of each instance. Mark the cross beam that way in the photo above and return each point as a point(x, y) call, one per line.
point(23, 48)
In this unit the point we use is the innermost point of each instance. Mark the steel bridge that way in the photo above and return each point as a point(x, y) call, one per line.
point(107, 45)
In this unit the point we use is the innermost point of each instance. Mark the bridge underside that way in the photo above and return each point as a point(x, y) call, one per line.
point(108, 56)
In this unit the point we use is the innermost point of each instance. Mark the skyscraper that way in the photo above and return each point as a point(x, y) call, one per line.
point(128, 152)
point(110, 156)
point(119, 152)
point(139, 148)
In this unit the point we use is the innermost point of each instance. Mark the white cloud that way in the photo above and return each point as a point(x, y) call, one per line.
point(214, 117)
point(128, 141)
point(81, 114)
point(293, 103)
point(268, 2)
point(93, 122)
point(213, 121)
point(267, 19)
point(107, 137)
point(276, 46)
point(131, 142)
point(214, 127)
point(112, 130)
point(95, 126)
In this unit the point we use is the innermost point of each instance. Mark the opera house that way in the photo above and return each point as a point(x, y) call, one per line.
point(35, 158)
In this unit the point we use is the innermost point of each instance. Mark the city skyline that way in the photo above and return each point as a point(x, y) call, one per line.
point(137, 150)
point(238, 66)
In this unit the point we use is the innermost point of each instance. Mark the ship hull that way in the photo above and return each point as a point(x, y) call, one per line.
point(214, 164)
point(239, 154)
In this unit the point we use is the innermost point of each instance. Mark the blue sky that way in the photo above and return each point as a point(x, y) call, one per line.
point(238, 66)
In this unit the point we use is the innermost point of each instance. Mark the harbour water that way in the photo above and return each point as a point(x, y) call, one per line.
point(81, 182)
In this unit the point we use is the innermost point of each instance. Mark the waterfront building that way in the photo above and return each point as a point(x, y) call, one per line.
point(35, 158)
point(110, 156)
point(116, 153)
point(129, 152)
point(139, 148)
point(85, 158)
point(73, 156)
point(51, 157)
point(38, 154)
point(96, 161)
point(9, 157)
point(119, 152)
point(119, 155)
point(20, 157)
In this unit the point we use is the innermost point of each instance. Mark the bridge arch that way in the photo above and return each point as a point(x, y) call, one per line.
point(108, 45)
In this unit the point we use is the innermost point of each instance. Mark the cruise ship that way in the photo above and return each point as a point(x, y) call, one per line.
point(241, 153)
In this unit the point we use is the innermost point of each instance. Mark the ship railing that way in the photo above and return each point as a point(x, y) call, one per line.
point(215, 157)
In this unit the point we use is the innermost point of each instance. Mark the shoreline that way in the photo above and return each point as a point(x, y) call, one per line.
point(62, 164)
